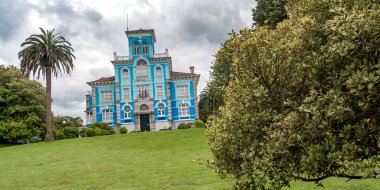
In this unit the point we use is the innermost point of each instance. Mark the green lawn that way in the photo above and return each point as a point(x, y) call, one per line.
point(155, 160)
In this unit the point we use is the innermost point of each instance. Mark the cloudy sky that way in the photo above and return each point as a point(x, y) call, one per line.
point(192, 30)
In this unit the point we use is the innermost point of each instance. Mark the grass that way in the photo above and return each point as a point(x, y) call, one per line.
point(155, 160)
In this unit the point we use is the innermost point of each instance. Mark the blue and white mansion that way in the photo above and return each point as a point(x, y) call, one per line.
point(145, 94)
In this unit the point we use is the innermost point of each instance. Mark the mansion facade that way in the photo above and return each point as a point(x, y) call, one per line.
point(145, 94)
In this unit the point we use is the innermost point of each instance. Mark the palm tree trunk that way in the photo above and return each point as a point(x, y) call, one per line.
point(49, 133)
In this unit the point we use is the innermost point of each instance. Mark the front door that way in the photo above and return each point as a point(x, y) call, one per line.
point(144, 122)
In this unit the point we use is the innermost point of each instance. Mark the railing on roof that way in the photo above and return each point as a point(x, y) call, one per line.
point(159, 55)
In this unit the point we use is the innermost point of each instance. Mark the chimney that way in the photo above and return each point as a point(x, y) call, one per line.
point(192, 69)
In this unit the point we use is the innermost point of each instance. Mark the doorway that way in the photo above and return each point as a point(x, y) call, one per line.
point(144, 122)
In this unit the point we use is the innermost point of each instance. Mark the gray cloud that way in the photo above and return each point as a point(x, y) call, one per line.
point(12, 16)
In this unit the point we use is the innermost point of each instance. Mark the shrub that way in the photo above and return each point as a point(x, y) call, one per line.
point(123, 130)
point(83, 132)
point(90, 132)
point(102, 129)
point(59, 135)
point(184, 126)
point(71, 132)
point(199, 124)
point(35, 139)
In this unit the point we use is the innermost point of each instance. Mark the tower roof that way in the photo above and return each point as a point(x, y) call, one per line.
point(141, 31)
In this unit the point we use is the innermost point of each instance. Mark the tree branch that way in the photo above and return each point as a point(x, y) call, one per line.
point(350, 177)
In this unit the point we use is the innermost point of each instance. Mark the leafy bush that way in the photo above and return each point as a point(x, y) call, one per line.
point(199, 124)
point(71, 132)
point(90, 132)
point(83, 132)
point(59, 135)
point(184, 126)
point(35, 139)
point(102, 129)
point(123, 130)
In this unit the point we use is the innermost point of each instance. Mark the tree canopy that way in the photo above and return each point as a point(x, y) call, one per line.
point(303, 99)
point(269, 13)
point(21, 106)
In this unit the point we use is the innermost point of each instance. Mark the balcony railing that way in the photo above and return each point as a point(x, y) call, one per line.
point(122, 58)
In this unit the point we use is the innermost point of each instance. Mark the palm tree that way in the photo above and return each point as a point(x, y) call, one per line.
point(45, 54)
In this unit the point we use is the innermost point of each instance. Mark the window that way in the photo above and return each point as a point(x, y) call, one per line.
point(158, 72)
point(143, 91)
point(145, 48)
point(107, 115)
point(106, 97)
point(184, 110)
point(159, 92)
point(125, 76)
point(182, 92)
point(136, 48)
point(142, 69)
point(88, 117)
point(144, 107)
point(127, 112)
point(126, 96)
point(161, 110)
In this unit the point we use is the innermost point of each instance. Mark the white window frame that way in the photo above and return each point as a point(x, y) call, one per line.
point(142, 71)
point(182, 92)
point(160, 92)
point(161, 112)
point(183, 110)
point(127, 115)
point(126, 94)
point(136, 48)
point(107, 115)
point(158, 72)
point(106, 97)
point(145, 48)
point(125, 76)
point(89, 117)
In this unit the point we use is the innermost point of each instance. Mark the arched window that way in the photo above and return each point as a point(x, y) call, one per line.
point(125, 76)
point(145, 47)
point(107, 115)
point(183, 110)
point(161, 110)
point(158, 72)
point(127, 112)
point(136, 48)
point(144, 107)
point(142, 69)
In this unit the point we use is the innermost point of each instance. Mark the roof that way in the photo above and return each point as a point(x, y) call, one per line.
point(142, 31)
point(176, 74)
point(104, 79)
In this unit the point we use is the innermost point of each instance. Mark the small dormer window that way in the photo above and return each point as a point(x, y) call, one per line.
point(136, 48)
point(145, 47)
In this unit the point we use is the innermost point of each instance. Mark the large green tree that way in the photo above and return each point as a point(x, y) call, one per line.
point(269, 13)
point(60, 122)
point(21, 106)
point(212, 97)
point(46, 53)
point(303, 99)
